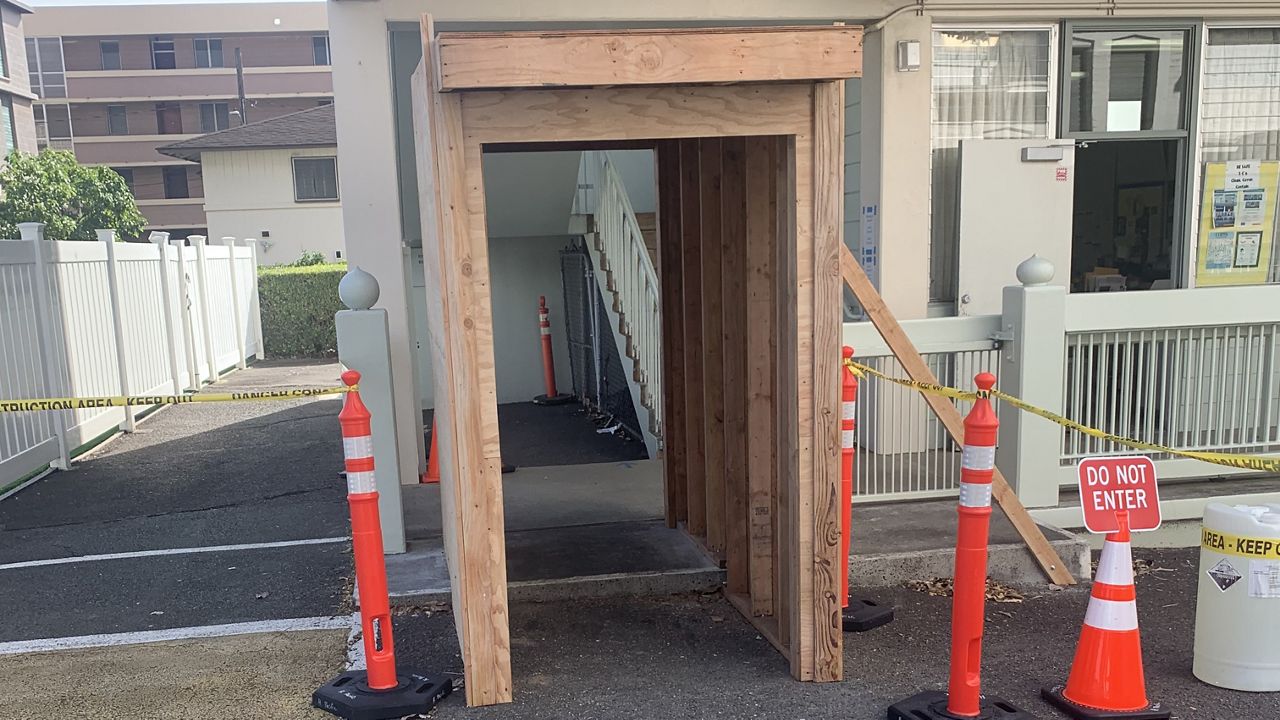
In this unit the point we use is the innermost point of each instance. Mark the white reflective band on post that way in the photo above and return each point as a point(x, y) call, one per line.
point(361, 482)
point(1117, 615)
point(847, 438)
point(354, 448)
point(977, 457)
point(546, 330)
point(849, 410)
point(975, 494)
point(1115, 565)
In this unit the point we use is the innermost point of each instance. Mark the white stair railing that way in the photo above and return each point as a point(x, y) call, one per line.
point(632, 281)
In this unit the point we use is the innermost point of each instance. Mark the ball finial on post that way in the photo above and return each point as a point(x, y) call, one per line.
point(358, 290)
point(1034, 271)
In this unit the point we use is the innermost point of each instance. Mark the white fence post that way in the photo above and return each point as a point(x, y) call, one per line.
point(161, 240)
point(1031, 367)
point(202, 286)
point(255, 310)
point(188, 329)
point(236, 320)
point(34, 233)
point(108, 237)
point(364, 344)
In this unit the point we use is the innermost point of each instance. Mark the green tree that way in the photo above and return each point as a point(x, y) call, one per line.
point(71, 199)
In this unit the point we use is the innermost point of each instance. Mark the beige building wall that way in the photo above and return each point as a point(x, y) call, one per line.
point(17, 85)
point(250, 192)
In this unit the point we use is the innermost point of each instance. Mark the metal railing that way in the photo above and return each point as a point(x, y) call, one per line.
point(903, 451)
point(632, 280)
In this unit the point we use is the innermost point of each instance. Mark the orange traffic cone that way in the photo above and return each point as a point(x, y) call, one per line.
point(1106, 679)
point(432, 475)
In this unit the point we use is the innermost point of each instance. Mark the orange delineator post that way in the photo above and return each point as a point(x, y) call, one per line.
point(1107, 680)
point(553, 397)
point(848, 428)
point(378, 692)
point(964, 698)
point(859, 615)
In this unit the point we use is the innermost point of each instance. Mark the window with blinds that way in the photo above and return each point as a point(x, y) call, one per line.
point(986, 84)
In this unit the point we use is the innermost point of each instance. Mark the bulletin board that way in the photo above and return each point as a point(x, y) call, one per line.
point(1237, 222)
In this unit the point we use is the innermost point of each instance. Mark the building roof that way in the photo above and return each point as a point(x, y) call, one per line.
point(313, 127)
point(19, 6)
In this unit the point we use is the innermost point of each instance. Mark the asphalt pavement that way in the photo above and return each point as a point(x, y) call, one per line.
point(195, 476)
point(695, 657)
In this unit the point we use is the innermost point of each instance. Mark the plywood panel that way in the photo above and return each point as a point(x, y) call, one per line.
point(670, 263)
point(762, 313)
point(691, 250)
point(735, 350)
point(712, 342)
point(468, 443)
point(636, 113)
point(470, 61)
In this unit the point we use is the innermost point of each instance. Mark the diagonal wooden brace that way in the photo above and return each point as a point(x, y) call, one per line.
point(896, 338)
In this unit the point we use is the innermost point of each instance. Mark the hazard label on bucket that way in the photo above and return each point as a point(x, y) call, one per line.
point(1224, 575)
point(1264, 579)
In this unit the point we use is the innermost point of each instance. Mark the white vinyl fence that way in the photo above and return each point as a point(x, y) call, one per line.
point(101, 318)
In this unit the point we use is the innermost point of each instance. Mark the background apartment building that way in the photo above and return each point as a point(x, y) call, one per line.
point(17, 129)
point(116, 82)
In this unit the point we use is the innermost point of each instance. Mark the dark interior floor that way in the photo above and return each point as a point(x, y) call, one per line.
point(541, 435)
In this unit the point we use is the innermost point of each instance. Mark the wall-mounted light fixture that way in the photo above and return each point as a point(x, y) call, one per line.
point(908, 55)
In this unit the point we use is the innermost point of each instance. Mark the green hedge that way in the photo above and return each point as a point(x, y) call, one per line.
point(298, 304)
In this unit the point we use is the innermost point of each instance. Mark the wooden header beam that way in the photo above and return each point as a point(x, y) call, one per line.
point(685, 56)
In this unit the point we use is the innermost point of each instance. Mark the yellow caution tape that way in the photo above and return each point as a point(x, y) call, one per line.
point(1228, 544)
point(84, 403)
point(1234, 460)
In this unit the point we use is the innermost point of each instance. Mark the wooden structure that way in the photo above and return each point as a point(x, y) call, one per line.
point(747, 125)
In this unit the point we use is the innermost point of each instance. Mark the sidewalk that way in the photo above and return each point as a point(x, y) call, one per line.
point(229, 513)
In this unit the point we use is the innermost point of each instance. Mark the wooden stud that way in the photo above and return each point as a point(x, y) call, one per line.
point(538, 59)
point(670, 262)
point(712, 341)
point(916, 368)
point(828, 206)
point(786, 379)
point(691, 249)
point(734, 308)
point(761, 319)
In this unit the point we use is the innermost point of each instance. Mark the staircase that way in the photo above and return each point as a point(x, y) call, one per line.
point(625, 257)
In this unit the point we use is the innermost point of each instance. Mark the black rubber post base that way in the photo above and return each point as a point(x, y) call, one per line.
point(864, 615)
point(348, 696)
point(1054, 696)
point(561, 399)
point(932, 705)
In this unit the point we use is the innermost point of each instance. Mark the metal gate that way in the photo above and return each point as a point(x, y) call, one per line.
point(599, 380)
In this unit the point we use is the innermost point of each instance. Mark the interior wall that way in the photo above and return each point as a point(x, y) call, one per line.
point(520, 269)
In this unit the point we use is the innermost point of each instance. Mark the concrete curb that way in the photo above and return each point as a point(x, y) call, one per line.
point(594, 586)
point(1006, 563)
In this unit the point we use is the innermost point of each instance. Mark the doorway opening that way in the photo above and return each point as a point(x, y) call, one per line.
point(1125, 215)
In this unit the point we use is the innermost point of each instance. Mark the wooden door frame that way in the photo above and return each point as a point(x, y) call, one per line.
point(783, 83)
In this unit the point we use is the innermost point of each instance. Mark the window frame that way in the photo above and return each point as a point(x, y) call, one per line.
point(5, 72)
point(124, 116)
point(213, 105)
point(102, 54)
point(293, 161)
point(186, 182)
point(10, 142)
point(36, 73)
point(172, 51)
point(165, 106)
point(208, 41)
point(1054, 30)
point(328, 50)
point(128, 178)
